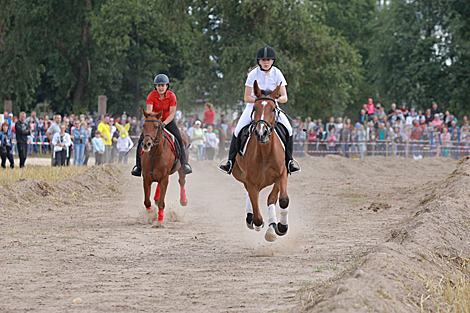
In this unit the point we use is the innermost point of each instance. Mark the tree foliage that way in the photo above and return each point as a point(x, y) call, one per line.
point(334, 53)
point(419, 53)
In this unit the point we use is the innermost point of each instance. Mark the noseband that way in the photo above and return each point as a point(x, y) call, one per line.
point(269, 127)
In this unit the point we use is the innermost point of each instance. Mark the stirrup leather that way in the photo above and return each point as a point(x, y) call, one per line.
point(227, 161)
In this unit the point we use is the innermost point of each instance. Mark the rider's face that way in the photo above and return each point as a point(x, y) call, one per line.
point(161, 88)
point(266, 63)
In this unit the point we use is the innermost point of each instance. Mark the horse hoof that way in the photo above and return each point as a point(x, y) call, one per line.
point(249, 220)
point(158, 225)
point(258, 228)
point(280, 229)
point(184, 203)
point(270, 233)
point(151, 215)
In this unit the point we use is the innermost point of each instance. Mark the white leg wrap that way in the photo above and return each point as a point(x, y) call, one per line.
point(272, 214)
point(284, 219)
point(248, 206)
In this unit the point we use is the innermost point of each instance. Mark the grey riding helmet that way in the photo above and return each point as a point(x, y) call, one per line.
point(161, 79)
point(265, 52)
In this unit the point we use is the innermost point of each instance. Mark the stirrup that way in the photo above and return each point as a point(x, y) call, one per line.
point(188, 171)
point(229, 171)
point(136, 171)
point(293, 162)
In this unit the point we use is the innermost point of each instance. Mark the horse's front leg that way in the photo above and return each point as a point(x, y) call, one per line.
point(272, 221)
point(161, 201)
point(254, 197)
point(281, 228)
point(151, 215)
point(182, 182)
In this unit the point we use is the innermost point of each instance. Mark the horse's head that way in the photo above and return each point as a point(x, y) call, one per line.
point(152, 129)
point(264, 113)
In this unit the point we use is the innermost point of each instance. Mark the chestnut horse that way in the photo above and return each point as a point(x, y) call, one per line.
point(262, 165)
point(158, 163)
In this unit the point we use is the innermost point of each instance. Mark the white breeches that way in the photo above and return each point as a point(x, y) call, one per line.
point(245, 119)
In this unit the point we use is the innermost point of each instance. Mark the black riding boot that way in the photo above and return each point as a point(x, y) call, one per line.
point(291, 167)
point(232, 154)
point(184, 164)
point(137, 170)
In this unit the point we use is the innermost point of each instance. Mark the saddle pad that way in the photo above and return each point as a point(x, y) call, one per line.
point(171, 140)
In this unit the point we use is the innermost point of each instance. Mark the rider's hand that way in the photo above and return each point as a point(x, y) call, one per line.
point(163, 125)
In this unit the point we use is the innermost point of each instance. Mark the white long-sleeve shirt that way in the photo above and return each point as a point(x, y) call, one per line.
point(65, 139)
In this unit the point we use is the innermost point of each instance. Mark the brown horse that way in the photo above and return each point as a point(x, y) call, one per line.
point(158, 163)
point(262, 165)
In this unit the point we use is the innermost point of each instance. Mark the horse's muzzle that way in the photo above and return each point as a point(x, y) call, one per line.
point(146, 146)
point(264, 138)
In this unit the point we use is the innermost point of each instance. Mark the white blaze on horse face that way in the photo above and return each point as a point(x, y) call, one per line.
point(261, 130)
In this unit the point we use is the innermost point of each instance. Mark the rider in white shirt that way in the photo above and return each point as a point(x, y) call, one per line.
point(268, 78)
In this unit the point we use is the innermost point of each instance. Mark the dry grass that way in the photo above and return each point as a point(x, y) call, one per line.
point(47, 173)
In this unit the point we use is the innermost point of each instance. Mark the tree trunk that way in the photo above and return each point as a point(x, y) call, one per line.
point(137, 109)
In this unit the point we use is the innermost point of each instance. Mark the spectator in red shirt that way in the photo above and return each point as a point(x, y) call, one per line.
point(209, 114)
point(415, 134)
point(163, 99)
point(370, 108)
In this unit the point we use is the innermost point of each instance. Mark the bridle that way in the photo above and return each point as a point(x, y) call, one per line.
point(155, 141)
point(269, 127)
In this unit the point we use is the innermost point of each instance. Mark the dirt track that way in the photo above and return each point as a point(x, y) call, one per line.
point(62, 244)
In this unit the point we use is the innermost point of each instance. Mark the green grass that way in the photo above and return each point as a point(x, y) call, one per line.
point(47, 173)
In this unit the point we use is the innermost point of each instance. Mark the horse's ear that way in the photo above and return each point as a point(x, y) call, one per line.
point(145, 113)
point(159, 114)
point(256, 89)
point(275, 93)
point(127, 127)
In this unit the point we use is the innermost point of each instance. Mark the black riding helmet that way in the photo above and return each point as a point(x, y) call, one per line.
point(265, 52)
point(161, 79)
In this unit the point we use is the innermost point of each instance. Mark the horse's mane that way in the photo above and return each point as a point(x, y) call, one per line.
point(152, 114)
point(251, 69)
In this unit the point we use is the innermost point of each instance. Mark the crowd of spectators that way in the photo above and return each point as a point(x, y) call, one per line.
point(376, 131)
point(64, 137)
point(77, 137)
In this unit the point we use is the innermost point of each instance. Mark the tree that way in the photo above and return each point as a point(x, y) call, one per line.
point(419, 53)
point(322, 69)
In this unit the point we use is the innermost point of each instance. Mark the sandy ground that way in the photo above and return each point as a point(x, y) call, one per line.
point(85, 238)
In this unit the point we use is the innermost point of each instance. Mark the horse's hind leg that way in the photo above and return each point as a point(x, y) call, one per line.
point(282, 226)
point(182, 182)
point(272, 221)
point(157, 194)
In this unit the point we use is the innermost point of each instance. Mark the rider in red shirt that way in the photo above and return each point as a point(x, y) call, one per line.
point(163, 99)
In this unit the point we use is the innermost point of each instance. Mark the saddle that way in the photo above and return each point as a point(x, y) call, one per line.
point(245, 134)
